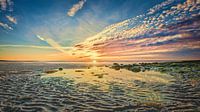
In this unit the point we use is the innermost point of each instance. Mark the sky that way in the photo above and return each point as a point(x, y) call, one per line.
point(100, 30)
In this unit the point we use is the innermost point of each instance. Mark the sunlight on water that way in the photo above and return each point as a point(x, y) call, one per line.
point(105, 77)
point(105, 74)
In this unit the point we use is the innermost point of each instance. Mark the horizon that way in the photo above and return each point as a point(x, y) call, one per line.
point(136, 61)
point(99, 31)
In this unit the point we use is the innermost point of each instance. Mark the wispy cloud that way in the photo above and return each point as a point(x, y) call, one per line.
point(5, 26)
point(12, 19)
point(41, 38)
point(33, 46)
point(76, 7)
point(27, 46)
point(5, 4)
point(53, 43)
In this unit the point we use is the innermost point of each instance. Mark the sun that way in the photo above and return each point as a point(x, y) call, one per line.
point(94, 61)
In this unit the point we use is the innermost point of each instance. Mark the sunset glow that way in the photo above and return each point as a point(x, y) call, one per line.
point(82, 31)
point(94, 61)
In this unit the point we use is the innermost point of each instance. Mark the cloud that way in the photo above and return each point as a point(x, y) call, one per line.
point(27, 46)
point(38, 36)
point(53, 43)
point(5, 4)
point(159, 6)
point(12, 19)
point(33, 46)
point(75, 8)
point(167, 28)
point(5, 26)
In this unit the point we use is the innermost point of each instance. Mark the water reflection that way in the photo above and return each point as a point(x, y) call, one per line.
point(142, 86)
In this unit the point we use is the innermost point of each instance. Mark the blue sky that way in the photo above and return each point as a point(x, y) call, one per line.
point(50, 17)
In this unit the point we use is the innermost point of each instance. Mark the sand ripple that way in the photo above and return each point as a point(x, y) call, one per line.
point(27, 92)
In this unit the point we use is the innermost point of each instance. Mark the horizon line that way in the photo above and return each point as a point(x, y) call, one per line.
point(100, 61)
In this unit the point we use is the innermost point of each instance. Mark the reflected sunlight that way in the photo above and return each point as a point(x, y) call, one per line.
point(94, 61)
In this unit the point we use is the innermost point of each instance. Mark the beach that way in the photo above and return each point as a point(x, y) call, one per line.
point(93, 88)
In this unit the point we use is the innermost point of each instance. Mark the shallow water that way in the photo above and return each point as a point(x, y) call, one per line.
point(22, 89)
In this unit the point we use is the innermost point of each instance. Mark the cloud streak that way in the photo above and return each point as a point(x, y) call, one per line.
point(33, 46)
point(75, 8)
point(53, 43)
point(12, 19)
point(5, 26)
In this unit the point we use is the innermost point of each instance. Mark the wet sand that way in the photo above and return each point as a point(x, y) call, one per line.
point(102, 76)
point(95, 89)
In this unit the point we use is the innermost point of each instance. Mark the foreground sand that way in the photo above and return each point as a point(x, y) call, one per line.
point(97, 89)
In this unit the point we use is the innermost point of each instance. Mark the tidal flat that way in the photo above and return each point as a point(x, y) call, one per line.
point(141, 87)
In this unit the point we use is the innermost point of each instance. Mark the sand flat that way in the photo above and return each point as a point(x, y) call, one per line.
point(89, 90)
